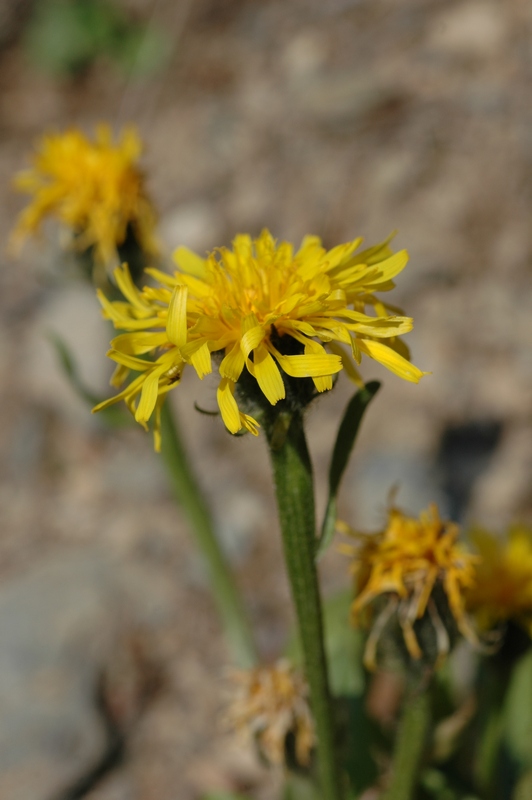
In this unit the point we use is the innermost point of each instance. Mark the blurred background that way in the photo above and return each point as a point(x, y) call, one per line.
point(339, 118)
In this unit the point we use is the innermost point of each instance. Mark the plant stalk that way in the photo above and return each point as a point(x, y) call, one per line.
point(190, 498)
point(295, 498)
point(410, 745)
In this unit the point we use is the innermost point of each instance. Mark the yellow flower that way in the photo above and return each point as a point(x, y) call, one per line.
point(95, 189)
point(406, 563)
point(266, 310)
point(268, 703)
point(503, 587)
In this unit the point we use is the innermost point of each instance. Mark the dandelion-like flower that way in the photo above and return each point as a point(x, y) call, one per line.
point(268, 704)
point(406, 563)
point(503, 585)
point(268, 311)
point(94, 188)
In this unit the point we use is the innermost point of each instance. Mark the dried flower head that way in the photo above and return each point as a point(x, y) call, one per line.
point(268, 311)
point(268, 704)
point(405, 564)
point(94, 188)
point(503, 587)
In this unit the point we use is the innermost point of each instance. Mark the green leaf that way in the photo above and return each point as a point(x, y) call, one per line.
point(143, 52)
point(298, 787)
point(65, 36)
point(518, 713)
point(345, 440)
point(344, 646)
point(113, 415)
point(436, 784)
point(523, 790)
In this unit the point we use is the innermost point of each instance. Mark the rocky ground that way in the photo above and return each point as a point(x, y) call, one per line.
point(340, 118)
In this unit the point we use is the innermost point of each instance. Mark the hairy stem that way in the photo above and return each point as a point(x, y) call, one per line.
point(410, 745)
point(295, 498)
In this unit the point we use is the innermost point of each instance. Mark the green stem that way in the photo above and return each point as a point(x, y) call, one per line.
point(190, 497)
point(295, 498)
point(410, 745)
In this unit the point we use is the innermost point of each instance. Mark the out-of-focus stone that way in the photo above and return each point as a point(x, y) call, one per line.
point(505, 486)
point(477, 28)
point(379, 473)
point(304, 55)
point(341, 100)
point(55, 628)
point(195, 225)
point(64, 625)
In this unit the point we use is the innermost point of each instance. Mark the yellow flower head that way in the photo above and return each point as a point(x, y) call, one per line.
point(95, 189)
point(268, 311)
point(406, 563)
point(503, 586)
point(268, 704)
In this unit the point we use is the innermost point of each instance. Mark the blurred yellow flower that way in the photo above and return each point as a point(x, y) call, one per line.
point(405, 563)
point(266, 310)
point(268, 703)
point(95, 189)
point(503, 586)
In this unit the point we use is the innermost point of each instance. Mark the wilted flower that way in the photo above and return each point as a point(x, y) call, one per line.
point(406, 564)
point(266, 310)
point(94, 189)
point(503, 587)
point(268, 704)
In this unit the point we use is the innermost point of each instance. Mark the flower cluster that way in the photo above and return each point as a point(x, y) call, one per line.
point(268, 704)
point(405, 563)
point(95, 189)
point(503, 586)
point(268, 311)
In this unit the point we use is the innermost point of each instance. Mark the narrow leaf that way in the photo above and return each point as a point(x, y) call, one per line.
point(113, 415)
point(345, 440)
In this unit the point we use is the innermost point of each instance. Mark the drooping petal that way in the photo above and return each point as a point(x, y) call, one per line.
point(391, 360)
point(267, 374)
point(201, 360)
point(148, 396)
point(228, 406)
point(232, 365)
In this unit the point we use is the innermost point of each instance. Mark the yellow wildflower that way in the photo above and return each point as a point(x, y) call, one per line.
point(268, 704)
point(503, 586)
point(95, 189)
point(266, 310)
point(406, 563)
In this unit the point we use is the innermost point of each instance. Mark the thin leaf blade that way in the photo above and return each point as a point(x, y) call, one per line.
point(345, 440)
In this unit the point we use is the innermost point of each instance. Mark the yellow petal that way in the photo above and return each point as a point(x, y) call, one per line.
point(233, 363)
point(322, 383)
point(136, 344)
point(148, 396)
point(129, 290)
point(309, 366)
point(251, 339)
point(201, 360)
point(389, 268)
point(267, 374)
point(190, 262)
point(351, 371)
point(129, 361)
point(249, 424)
point(228, 407)
point(176, 324)
point(391, 360)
